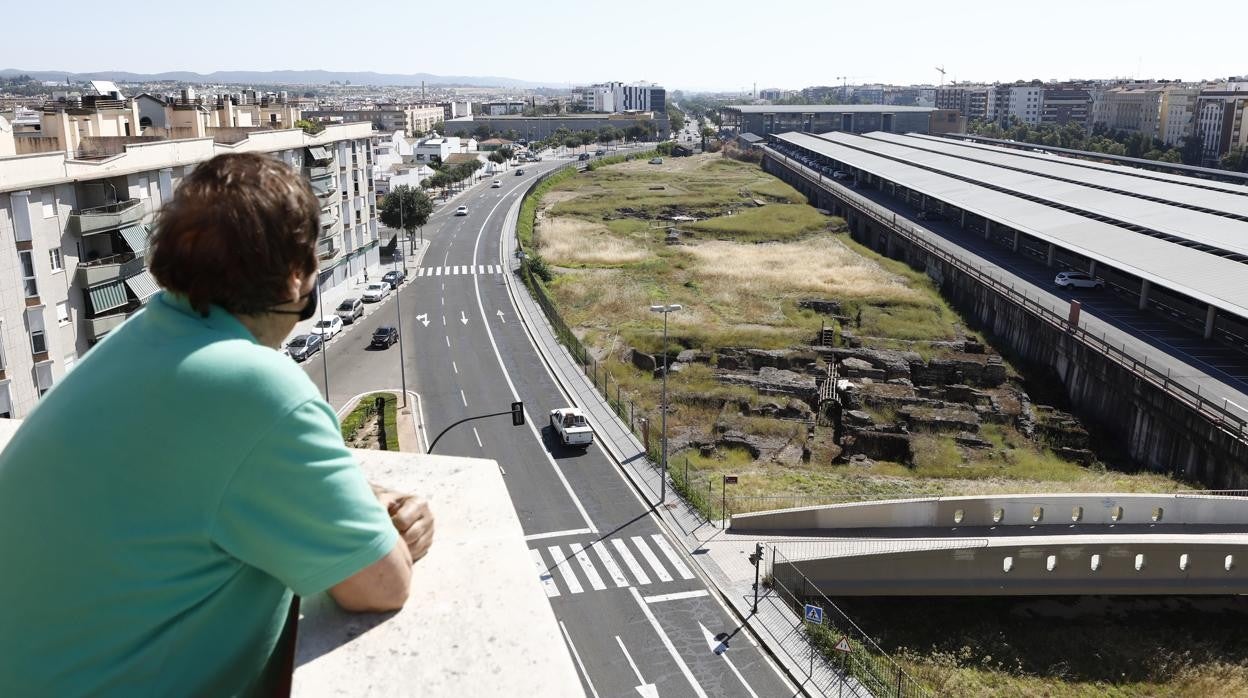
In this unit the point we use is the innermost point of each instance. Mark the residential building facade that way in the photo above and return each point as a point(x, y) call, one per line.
point(1221, 122)
point(1065, 104)
point(411, 119)
point(74, 226)
point(612, 97)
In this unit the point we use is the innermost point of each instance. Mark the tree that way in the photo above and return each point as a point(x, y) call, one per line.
point(507, 152)
point(481, 132)
point(1192, 150)
point(496, 157)
point(406, 208)
point(439, 126)
point(310, 127)
point(1236, 160)
point(571, 142)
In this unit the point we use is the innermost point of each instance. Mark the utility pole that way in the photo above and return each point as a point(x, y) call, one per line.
point(398, 306)
point(756, 558)
point(666, 310)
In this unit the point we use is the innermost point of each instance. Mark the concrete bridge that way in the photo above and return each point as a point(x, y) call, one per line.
point(1008, 545)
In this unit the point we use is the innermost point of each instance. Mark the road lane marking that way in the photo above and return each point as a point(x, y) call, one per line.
point(667, 642)
point(633, 566)
point(462, 397)
point(456, 367)
point(660, 598)
point(672, 557)
point(548, 582)
point(647, 553)
point(565, 569)
point(617, 575)
point(444, 321)
point(448, 341)
point(437, 271)
point(577, 655)
point(474, 433)
point(587, 566)
point(720, 648)
point(515, 395)
point(558, 534)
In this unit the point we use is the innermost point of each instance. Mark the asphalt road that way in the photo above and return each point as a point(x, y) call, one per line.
point(636, 615)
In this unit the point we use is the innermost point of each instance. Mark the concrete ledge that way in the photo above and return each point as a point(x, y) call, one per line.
point(477, 623)
point(1157, 511)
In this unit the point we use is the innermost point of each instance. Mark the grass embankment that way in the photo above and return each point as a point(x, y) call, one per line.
point(357, 421)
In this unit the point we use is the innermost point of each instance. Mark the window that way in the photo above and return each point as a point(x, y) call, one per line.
point(49, 203)
point(62, 312)
point(27, 260)
point(70, 361)
point(34, 321)
point(6, 404)
point(43, 377)
point(144, 187)
point(54, 258)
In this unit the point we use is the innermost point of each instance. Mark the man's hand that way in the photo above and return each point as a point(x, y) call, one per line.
point(411, 518)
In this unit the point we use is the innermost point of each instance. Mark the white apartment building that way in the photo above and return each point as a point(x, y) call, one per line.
point(1024, 102)
point(75, 217)
point(612, 97)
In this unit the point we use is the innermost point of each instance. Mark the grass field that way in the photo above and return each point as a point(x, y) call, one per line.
point(739, 273)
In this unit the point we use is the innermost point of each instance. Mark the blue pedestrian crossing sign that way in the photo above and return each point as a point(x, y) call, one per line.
point(814, 614)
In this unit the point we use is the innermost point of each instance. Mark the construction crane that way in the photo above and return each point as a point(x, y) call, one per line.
point(941, 69)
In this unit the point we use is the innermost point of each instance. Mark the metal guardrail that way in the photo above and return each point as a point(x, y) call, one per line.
point(1217, 414)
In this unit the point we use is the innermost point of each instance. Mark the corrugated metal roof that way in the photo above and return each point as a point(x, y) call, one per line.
point(1205, 277)
point(1229, 198)
point(1209, 229)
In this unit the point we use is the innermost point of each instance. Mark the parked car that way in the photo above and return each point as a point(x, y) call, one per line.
point(328, 327)
point(394, 277)
point(384, 336)
point(519, 171)
point(496, 184)
point(571, 426)
point(656, 161)
point(600, 152)
point(376, 291)
point(584, 156)
point(461, 211)
point(304, 346)
point(535, 158)
point(350, 309)
point(1077, 279)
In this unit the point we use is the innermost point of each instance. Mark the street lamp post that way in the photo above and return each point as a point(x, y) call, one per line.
point(398, 305)
point(320, 304)
point(666, 310)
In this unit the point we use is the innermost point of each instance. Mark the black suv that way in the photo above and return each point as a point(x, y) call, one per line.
point(394, 278)
point(384, 336)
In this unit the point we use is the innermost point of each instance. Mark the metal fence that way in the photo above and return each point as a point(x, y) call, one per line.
point(862, 667)
point(1216, 410)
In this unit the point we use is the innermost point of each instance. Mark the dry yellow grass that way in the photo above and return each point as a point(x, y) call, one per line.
point(818, 265)
point(567, 241)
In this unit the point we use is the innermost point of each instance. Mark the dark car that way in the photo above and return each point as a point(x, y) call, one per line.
point(394, 277)
point(384, 336)
point(304, 346)
point(519, 171)
point(584, 156)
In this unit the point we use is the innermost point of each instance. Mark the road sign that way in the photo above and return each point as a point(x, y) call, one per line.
point(843, 646)
point(730, 479)
point(814, 614)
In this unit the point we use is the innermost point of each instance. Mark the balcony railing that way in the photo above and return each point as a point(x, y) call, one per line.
point(320, 172)
point(97, 327)
point(98, 271)
point(111, 217)
point(329, 218)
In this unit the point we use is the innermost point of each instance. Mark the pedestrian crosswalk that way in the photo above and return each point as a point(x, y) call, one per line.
point(460, 270)
point(572, 569)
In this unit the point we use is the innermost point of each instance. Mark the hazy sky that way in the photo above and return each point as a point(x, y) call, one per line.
point(727, 44)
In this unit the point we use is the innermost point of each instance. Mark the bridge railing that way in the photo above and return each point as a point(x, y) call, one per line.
point(1214, 409)
point(865, 669)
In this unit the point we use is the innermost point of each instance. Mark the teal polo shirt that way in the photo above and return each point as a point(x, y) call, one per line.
point(159, 506)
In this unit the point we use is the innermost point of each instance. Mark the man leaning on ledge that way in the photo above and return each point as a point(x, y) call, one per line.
point(162, 503)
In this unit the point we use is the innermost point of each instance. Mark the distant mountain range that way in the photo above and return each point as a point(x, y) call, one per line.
point(282, 77)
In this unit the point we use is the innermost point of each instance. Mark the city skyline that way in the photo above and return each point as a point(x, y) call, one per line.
point(679, 46)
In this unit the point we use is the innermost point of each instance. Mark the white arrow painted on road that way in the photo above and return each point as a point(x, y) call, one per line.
point(647, 690)
point(500, 317)
point(463, 317)
point(721, 648)
point(424, 318)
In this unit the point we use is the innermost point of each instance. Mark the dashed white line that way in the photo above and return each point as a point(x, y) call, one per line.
point(677, 596)
point(548, 582)
point(465, 399)
point(448, 341)
point(444, 321)
point(667, 642)
point(633, 566)
point(577, 655)
point(562, 564)
point(651, 558)
point(456, 367)
point(617, 575)
point(672, 557)
point(474, 433)
point(587, 566)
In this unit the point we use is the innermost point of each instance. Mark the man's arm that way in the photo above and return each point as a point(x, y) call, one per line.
point(384, 585)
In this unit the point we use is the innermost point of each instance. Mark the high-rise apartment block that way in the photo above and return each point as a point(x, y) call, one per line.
point(79, 194)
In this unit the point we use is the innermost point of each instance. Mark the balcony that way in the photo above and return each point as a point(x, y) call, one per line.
point(328, 218)
point(97, 327)
point(114, 268)
point(326, 249)
point(477, 622)
point(101, 219)
point(320, 172)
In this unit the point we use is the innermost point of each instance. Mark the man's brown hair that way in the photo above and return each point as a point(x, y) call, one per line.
point(235, 231)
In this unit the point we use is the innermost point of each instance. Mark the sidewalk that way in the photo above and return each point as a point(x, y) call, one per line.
point(723, 557)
